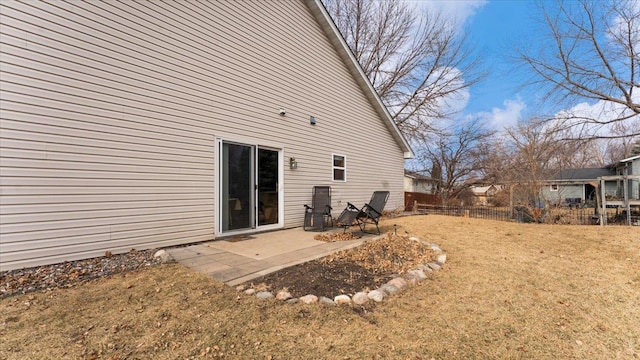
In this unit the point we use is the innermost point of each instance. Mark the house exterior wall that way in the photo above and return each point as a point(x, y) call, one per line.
point(634, 184)
point(419, 186)
point(111, 111)
point(409, 184)
point(564, 191)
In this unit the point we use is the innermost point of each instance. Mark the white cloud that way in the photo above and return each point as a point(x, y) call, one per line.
point(504, 117)
point(619, 28)
point(458, 11)
point(590, 119)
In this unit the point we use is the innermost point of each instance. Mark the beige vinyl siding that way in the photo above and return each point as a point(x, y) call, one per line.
point(110, 112)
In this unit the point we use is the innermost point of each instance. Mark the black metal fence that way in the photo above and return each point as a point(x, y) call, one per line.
point(567, 216)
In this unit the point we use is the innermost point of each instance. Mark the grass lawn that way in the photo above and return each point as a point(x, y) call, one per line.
point(507, 291)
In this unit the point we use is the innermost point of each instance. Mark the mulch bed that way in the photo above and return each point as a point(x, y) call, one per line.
point(72, 273)
point(365, 267)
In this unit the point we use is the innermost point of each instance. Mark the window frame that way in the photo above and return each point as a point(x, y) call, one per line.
point(553, 187)
point(334, 168)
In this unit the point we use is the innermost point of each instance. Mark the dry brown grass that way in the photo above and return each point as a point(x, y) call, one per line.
point(507, 291)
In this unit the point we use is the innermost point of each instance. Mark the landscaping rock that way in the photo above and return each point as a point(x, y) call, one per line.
point(441, 259)
point(434, 266)
point(163, 256)
point(342, 299)
point(423, 267)
point(360, 298)
point(283, 295)
point(326, 301)
point(309, 299)
point(240, 287)
point(264, 295)
point(250, 291)
point(411, 280)
point(398, 282)
point(435, 248)
point(292, 301)
point(388, 289)
point(376, 295)
point(418, 273)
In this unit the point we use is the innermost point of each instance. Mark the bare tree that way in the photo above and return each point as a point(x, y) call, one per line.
point(417, 62)
point(456, 157)
point(593, 56)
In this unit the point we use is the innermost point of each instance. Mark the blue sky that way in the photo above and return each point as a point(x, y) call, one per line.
point(494, 28)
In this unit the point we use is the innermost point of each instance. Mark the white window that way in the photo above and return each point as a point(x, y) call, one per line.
point(339, 168)
point(554, 187)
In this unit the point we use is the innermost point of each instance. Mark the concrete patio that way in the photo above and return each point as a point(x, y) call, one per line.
point(242, 258)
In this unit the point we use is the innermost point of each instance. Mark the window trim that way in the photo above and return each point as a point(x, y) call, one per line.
point(334, 168)
point(553, 187)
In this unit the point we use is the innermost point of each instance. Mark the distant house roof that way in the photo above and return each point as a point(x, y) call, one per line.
point(415, 175)
point(581, 174)
point(481, 190)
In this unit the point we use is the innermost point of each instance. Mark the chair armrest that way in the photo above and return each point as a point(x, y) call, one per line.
point(351, 206)
point(307, 207)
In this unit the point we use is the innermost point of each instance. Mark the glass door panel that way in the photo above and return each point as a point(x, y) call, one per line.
point(238, 187)
point(267, 186)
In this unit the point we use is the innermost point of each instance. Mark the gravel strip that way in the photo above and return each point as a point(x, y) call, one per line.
point(71, 273)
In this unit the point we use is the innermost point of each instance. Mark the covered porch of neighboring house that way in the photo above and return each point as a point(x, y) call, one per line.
point(625, 196)
point(238, 259)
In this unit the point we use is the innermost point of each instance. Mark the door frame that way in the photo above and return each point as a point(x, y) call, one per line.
point(218, 184)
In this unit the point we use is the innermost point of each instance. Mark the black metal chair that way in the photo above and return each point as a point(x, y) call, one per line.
point(370, 213)
point(318, 215)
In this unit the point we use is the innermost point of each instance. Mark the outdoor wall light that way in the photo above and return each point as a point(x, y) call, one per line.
point(293, 164)
point(312, 120)
point(282, 111)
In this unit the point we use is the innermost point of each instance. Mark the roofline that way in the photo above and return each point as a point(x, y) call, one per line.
point(331, 30)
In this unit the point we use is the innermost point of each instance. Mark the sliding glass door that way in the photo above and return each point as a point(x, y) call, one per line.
point(268, 186)
point(249, 186)
point(237, 186)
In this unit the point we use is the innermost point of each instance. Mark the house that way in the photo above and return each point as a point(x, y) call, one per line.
point(575, 187)
point(623, 192)
point(482, 195)
point(147, 124)
point(418, 183)
point(630, 168)
point(419, 189)
point(626, 191)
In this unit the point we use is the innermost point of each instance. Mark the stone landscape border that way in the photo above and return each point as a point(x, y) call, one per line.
point(398, 283)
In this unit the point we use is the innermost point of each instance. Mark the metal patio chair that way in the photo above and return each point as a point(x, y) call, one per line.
point(370, 213)
point(318, 215)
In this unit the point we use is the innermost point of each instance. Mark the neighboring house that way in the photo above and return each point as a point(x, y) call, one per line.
point(482, 195)
point(149, 124)
point(417, 183)
point(419, 189)
point(575, 186)
point(626, 183)
point(631, 167)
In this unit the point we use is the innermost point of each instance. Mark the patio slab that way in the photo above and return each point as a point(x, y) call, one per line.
point(237, 260)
